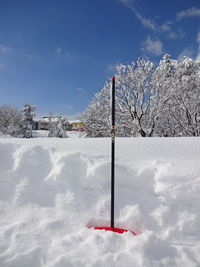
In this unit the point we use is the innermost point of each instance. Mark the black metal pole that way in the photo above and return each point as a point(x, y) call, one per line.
point(113, 155)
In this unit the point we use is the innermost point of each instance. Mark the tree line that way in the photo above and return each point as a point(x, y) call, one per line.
point(151, 100)
point(20, 123)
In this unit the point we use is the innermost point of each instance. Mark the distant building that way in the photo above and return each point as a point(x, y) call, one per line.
point(77, 125)
point(44, 123)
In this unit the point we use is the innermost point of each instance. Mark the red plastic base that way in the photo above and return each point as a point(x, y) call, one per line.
point(116, 230)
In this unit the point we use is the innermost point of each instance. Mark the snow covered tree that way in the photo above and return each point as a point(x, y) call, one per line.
point(10, 120)
point(163, 83)
point(178, 97)
point(187, 98)
point(61, 125)
point(28, 111)
point(151, 100)
point(134, 94)
point(57, 127)
point(52, 127)
point(97, 116)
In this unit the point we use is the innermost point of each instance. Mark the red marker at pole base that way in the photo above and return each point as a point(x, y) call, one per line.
point(116, 230)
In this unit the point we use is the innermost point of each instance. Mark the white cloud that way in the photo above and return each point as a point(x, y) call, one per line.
point(190, 12)
point(198, 38)
point(67, 107)
point(148, 23)
point(198, 42)
point(29, 56)
point(111, 69)
point(2, 66)
point(171, 34)
point(61, 52)
point(5, 49)
point(81, 91)
point(58, 50)
point(151, 24)
point(191, 52)
point(127, 2)
point(76, 116)
point(153, 46)
point(188, 52)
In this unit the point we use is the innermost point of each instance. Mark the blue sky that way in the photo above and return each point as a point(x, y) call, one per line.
point(57, 53)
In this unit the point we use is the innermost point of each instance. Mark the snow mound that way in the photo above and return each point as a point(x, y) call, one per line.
point(51, 191)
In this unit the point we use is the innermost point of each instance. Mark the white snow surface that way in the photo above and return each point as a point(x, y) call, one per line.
point(52, 190)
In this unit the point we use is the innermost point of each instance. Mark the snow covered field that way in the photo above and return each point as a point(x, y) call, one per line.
point(51, 189)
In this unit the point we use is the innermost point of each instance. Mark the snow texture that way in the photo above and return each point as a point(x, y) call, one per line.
point(52, 190)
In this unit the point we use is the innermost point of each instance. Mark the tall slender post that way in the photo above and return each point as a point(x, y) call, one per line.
point(113, 155)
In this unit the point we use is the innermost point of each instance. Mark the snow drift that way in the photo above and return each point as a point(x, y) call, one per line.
point(52, 189)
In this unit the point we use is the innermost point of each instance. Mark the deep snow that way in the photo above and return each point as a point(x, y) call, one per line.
point(52, 189)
